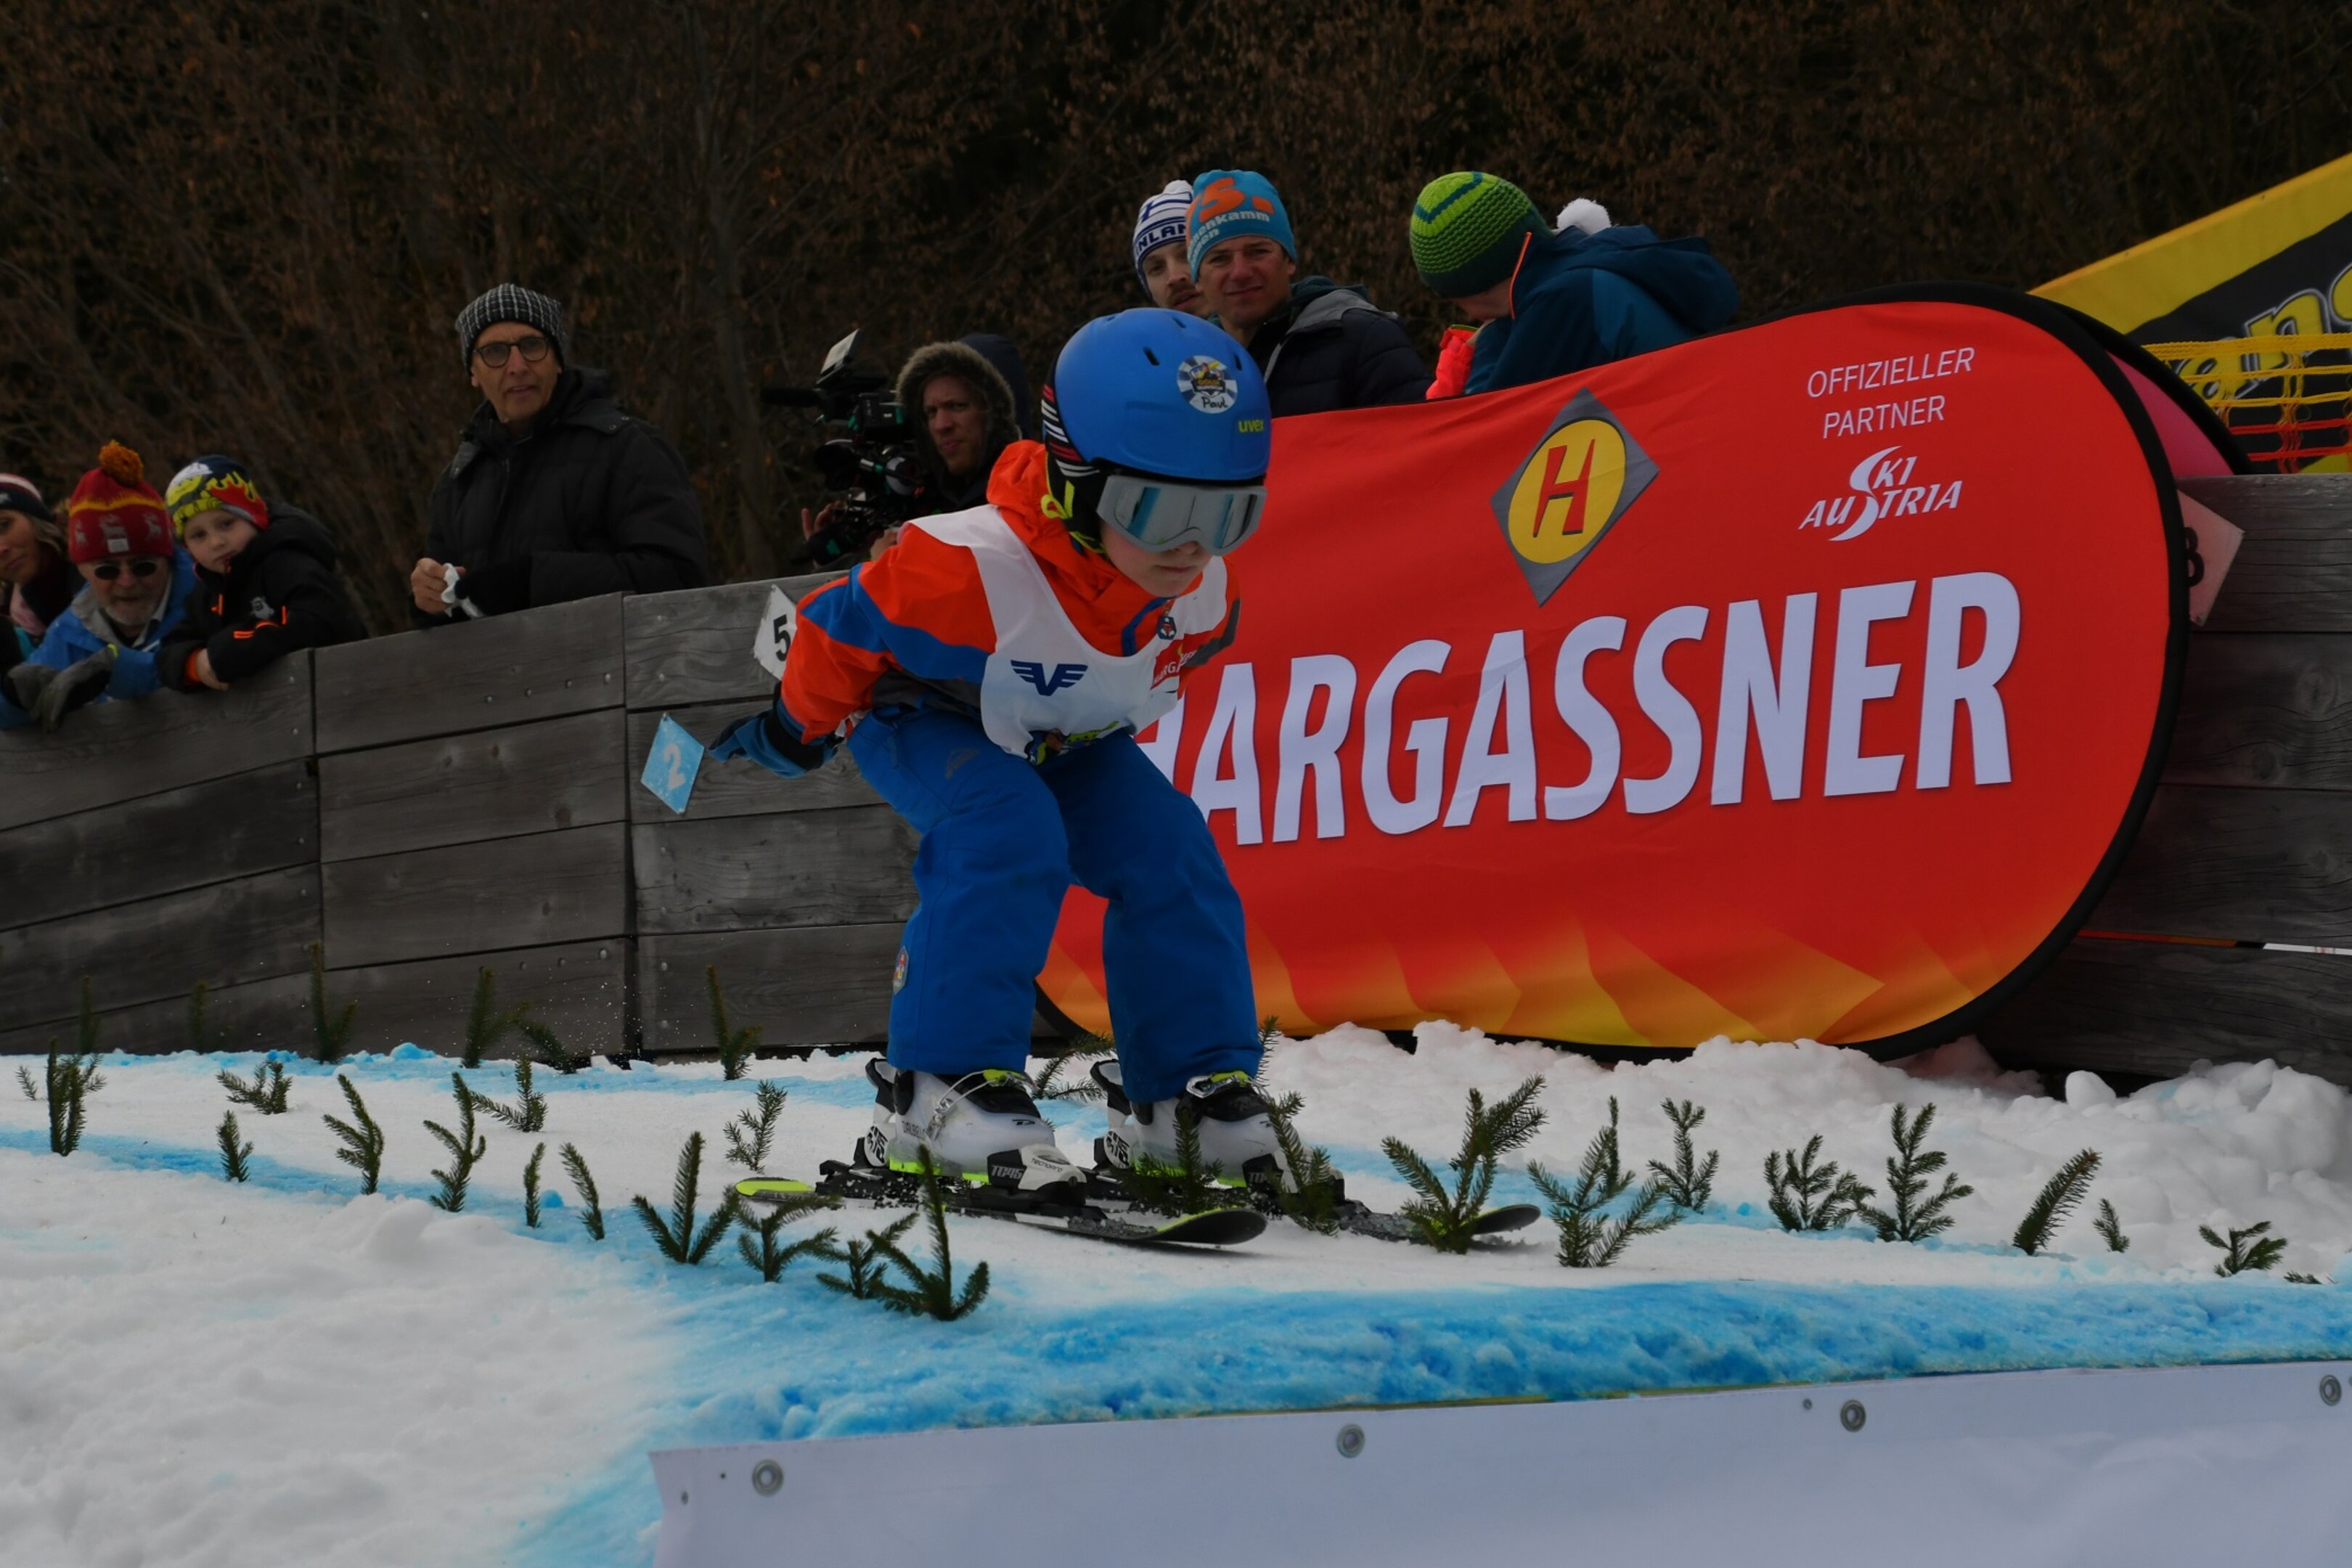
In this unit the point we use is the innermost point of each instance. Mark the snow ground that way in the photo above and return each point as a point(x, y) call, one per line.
point(197, 1373)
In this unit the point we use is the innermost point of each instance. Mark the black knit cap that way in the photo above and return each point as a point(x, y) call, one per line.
point(17, 494)
point(511, 302)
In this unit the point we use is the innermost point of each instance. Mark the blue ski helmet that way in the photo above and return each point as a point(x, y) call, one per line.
point(1158, 393)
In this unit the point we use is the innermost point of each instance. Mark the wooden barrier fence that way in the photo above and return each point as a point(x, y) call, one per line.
point(429, 805)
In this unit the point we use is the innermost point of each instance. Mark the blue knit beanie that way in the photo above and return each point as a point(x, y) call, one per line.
point(1161, 222)
point(1231, 202)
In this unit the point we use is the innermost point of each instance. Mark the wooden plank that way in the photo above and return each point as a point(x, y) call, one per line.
point(580, 990)
point(113, 752)
point(487, 784)
point(226, 934)
point(808, 985)
point(738, 788)
point(504, 669)
point(264, 1016)
point(2241, 865)
point(2294, 574)
point(850, 866)
point(2158, 1008)
point(2265, 710)
point(185, 838)
point(695, 644)
point(534, 891)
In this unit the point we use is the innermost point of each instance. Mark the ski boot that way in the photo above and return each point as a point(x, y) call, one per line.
point(1237, 1133)
point(981, 1128)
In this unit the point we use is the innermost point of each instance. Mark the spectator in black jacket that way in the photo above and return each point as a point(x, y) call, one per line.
point(555, 493)
point(265, 580)
point(1321, 345)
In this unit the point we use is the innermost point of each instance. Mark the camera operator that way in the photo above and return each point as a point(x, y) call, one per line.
point(964, 404)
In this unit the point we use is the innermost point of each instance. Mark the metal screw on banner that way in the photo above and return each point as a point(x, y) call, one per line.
point(767, 1478)
point(2330, 1390)
point(1851, 1415)
point(1352, 1440)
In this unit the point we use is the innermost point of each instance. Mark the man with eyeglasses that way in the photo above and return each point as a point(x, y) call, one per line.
point(556, 493)
point(990, 671)
point(136, 583)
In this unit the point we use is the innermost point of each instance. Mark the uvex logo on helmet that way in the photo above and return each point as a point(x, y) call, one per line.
point(1581, 477)
point(1880, 485)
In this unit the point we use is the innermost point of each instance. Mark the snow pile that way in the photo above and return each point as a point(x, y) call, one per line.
point(193, 1372)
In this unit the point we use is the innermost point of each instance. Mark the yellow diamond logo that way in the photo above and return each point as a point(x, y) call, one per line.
point(1564, 495)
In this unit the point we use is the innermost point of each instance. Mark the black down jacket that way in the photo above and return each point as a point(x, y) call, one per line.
point(280, 594)
point(1332, 348)
point(591, 501)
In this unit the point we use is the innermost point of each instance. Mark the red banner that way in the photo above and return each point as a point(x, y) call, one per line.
point(1802, 682)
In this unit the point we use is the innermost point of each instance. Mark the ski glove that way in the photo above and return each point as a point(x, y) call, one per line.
point(74, 684)
point(773, 742)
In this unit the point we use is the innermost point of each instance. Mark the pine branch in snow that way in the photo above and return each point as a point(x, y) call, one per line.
point(1066, 1077)
point(266, 1092)
point(1589, 1236)
point(1188, 1187)
point(2108, 1226)
point(769, 1258)
point(2059, 1197)
point(931, 1291)
point(67, 1082)
point(363, 1140)
point(677, 1236)
point(1311, 1195)
point(735, 1046)
point(233, 1154)
point(591, 1213)
point(528, 1112)
point(864, 1258)
point(2292, 1278)
point(464, 1148)
point(1807, 1196)
point(24, 1081)
point(1689, 1182)
point(331, 1030)
point(2238, 1257)
point(1911, 1218)
point(546, 1046)
point(1445, 1216)
point(530, 1187)
point(486, 1026)
point(752, 1133)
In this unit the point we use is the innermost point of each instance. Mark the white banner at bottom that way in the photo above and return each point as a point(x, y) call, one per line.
point(2190, 1465)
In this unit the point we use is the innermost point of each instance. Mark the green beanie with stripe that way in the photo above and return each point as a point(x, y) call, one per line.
point(1467, 231)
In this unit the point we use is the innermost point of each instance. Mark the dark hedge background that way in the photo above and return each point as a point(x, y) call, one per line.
point(248, 226)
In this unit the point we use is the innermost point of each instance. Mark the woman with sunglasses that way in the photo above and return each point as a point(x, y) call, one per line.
point(991, 670)
point(136, 583)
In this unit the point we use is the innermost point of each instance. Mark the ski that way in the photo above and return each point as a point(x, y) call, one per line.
point(1357, 1218)
point(864, 1187)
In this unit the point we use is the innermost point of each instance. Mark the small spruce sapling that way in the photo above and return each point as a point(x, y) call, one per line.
point(1066, 1076)
point(67, 1082)
point(485, 1025)
point(331, 1030)
point(769, 1258)
point(864, 1259)
point(677, 1236)
point(1911, 1219)
point(591, 1213)
point(1189, 1187)
point(362, 1139)
point(530, 1187)
point(203, 1038)
point(266, 1090)
point(464, 1148)
point(528, 1112)
point(1312, 1195)
point(1810, 1196)
point(1689, 1182)
point(752, 1133)
point(547, 1046)
point(2237, 1257)
point(2111, 1227)
point(2059, 1197)
point(1589, 1237)
point(1443, 1218)
point(233, 1154)
point(931, 1291)
point(735, 1046)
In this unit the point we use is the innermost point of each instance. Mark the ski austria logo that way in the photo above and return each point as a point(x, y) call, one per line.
point(1881, 487)
point(1206, 383)
point(1583, 475)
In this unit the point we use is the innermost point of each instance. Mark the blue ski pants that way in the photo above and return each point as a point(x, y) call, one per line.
point(1002, 839)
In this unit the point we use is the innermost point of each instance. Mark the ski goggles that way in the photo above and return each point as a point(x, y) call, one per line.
point(1160, 514)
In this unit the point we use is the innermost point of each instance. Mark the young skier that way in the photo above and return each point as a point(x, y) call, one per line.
point(990, 669)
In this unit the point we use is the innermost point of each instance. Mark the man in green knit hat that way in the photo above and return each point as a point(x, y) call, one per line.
point(1555, 304)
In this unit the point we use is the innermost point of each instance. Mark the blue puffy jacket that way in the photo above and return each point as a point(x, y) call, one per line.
point(69, 640)
point(1581, 299)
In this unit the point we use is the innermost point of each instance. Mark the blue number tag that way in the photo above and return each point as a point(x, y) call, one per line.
point(671, 765)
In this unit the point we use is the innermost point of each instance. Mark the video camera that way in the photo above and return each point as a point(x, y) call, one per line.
point(876, 470)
